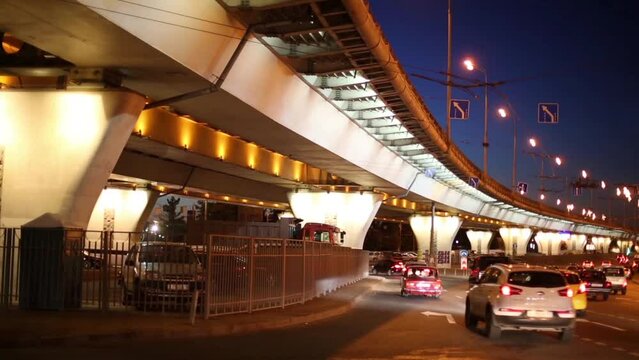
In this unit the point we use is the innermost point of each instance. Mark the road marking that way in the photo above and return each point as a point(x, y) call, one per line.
point(600, 343)
point(586, 339)
point(449, 317)
point(601, 324)
point(618, 349)
point(459, 297)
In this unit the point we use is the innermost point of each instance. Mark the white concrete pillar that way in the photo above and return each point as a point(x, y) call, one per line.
point(516, 240)
point(578, 242)
point(351, 212)
point(479, 240)
point(60, 146)
point(446, 228)
point(602, 243)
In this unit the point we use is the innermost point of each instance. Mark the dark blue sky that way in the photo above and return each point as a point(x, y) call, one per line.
point(578, 53)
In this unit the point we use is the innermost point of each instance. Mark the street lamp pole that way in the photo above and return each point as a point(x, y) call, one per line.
point(448, 72)
point(485, 143)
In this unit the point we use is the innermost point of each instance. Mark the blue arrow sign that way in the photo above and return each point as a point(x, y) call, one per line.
point(474, 182)
point(548, 113)
point(459, 109)
point(522, 188)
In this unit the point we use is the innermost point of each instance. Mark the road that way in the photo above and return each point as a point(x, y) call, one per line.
point(384, 325)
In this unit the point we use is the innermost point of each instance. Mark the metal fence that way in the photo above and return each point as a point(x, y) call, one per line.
point(248, 274)
point(62, 269)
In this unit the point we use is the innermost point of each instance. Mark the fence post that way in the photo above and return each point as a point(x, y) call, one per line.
point(208, 288)
point(303, 271)
point(7, 255)
point(251, 271)
point(284, 243)
point(104, 269)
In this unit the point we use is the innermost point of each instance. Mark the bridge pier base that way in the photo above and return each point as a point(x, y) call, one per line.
point(352, 212)
point(516, 240)
point(479, 240)
point(60, 148)
point(446, 228)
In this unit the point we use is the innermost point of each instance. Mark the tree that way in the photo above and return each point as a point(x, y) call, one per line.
point(173, 220)
point(200, 210)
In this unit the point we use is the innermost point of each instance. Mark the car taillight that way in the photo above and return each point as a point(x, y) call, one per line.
point(566, 292)
point(509, 290)
point(608, 284)
point(582, 288)
point(474, 273)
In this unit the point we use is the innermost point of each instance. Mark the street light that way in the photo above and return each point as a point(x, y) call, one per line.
point(558, 202)
point(584, 174)
point(504, 114)
point(542, 197)
point(470, 66)
point(603, 185)
point(532, 142)
point(558, 160)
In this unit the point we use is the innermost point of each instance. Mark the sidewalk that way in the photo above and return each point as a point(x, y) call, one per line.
point(33, 328)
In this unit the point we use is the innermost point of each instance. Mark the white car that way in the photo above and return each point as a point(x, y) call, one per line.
point(521, 297)
point(617, 277)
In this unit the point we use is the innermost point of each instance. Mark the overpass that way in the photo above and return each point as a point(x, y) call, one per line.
point(298, 104)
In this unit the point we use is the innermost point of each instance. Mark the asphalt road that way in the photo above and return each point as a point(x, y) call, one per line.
point(384, 325)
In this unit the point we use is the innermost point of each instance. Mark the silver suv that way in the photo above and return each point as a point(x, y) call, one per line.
point(521, 297)
point(160, 273)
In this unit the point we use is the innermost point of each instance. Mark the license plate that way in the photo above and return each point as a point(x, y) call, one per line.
point(178, 286)
point(539, 314)
point(596, 285)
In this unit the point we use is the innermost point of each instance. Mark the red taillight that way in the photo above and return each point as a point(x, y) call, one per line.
point(608, 284)
point(475, 272)
point(566, 292)
point(582, 288)
point(509, 290)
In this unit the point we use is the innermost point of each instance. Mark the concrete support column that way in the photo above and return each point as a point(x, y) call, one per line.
point(446, 228)
point(516, 240)
point(479, 240)
point(59, 149)
point(123, 211)
point(578, 242)
point(602, 244)
point(351, 212)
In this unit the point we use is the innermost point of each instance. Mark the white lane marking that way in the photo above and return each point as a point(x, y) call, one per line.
point(586, 339)
point(600, 343)
point(449, 317)
point(459, 297)
point(618, 349)
point(601, 324)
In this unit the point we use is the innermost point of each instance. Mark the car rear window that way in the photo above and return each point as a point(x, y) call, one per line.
point(613, 272)
point(593, 276)
point(572, 278)
point(536, 279)
point(421, 272)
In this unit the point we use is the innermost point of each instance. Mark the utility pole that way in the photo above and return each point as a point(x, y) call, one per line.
point(448, 72)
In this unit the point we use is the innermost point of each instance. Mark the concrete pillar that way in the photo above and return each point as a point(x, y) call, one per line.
point(516, 240)
point(446, 228)
point(479, 240)
point(59, 149)
point(578, 242)
point(351, 212)
point(602, 243)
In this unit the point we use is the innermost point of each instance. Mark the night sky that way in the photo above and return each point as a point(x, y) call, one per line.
point(577, 53)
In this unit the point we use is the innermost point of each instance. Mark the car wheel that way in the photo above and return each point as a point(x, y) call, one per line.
point(469, 319)
point(581, 313)
point(492, 330)
point(606, 297)
point(566, 335)
point(623, 292)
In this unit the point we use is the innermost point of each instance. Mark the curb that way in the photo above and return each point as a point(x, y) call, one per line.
point(221, 330)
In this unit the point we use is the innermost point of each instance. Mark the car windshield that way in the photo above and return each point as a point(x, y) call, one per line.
point(543, 279)
point(167, 254)
point(596, 276)
point(421, 272)
point(613, 272)
point(572, 279)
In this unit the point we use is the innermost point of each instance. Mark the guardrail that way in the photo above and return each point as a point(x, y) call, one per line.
point(247, 274)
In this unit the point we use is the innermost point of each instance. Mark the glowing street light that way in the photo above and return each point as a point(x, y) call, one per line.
point(558, 202)
point(558, 160)
point(570, 207)
point(502, 112)
point(603, 184)
point(584, 174)
point(618, 192)
point(542, 196)
point(532, 142)
point(468, 63)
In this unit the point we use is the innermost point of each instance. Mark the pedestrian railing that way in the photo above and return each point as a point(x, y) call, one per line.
point(106, 270)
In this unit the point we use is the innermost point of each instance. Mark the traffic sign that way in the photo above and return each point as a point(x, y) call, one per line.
point(459, 109)
point(463, 253)
point(548, 113)
point(522, 187)
point(474, 182)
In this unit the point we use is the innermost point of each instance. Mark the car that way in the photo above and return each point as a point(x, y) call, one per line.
point(617, 278)
point(596, 283)
point(518, 297)
point(479, 263)
point(606, 263)
point(421, 279)
point(388, 267)
point(587, 264)
point(580, 297)
point(160, 273)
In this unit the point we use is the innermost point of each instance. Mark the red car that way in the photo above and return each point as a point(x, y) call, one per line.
point(420, 279)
